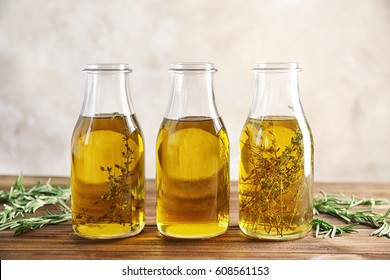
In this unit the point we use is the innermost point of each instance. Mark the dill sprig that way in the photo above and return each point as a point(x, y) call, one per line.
point(19, 201)
point(342, 207)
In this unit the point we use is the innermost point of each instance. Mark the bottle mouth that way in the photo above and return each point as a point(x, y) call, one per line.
point(107, 68)
point(193, 67)
point(276, 67)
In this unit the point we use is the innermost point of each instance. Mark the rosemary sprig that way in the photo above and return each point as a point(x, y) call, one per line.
point(21, 201)
point(340, 206)
point(26, 224)
point(327, 229)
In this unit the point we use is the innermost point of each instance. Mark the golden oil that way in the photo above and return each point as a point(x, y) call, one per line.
point(276, 176)
point(192, 177)
point(107, 177)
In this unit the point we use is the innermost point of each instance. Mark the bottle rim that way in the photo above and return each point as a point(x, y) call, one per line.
point(193, 67)
point(107, 68)
point(276, 67)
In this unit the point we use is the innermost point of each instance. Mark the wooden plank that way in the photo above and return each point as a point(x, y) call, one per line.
point(59, 241)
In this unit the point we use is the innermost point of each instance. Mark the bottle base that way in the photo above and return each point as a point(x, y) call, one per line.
point(106, 231)
point(274, 237)
point(192, 231)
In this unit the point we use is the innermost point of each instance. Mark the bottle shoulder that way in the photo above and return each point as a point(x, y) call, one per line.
point(117, 123)
point(211, 125)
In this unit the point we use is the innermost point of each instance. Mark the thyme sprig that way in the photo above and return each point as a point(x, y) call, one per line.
point(341, 207)
point(118, 189)
point(275, 183)
point(20, 201)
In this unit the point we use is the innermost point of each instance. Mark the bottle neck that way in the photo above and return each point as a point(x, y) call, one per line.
point(276, 93)
point(107, 91)
point(192, 92)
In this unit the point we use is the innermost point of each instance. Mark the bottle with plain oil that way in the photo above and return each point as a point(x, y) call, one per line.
point(192, 158)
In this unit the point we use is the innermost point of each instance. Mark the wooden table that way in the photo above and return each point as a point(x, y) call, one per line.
point(60, 243)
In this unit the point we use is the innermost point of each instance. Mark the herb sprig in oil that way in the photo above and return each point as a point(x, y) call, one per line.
point(117, 198)
point(274, 187)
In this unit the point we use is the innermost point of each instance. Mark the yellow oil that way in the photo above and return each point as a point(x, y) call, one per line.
point(275, 179)
point(107, 177)
point(192, 177)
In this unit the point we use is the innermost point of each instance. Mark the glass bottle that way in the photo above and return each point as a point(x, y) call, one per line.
point(192, 158)
point(107, 158)
point(276, 158)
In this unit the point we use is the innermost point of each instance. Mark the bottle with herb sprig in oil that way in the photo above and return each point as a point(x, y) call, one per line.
point(192, 158)
point(107, 158)
point(276, 158)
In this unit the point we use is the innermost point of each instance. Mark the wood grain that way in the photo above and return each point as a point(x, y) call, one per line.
point(59, 241)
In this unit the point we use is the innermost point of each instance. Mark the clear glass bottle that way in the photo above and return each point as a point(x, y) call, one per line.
point(192, 158)
point(107, 158)
point(276, 158)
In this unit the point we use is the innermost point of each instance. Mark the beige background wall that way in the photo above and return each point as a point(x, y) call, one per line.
point(343, 47)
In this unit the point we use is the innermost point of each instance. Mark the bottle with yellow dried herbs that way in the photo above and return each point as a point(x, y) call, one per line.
point(276, 158)
point(107, 158)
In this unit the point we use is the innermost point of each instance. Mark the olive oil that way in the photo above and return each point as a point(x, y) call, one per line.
point(192, 177)
point(275, 199)
point(107, 180)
